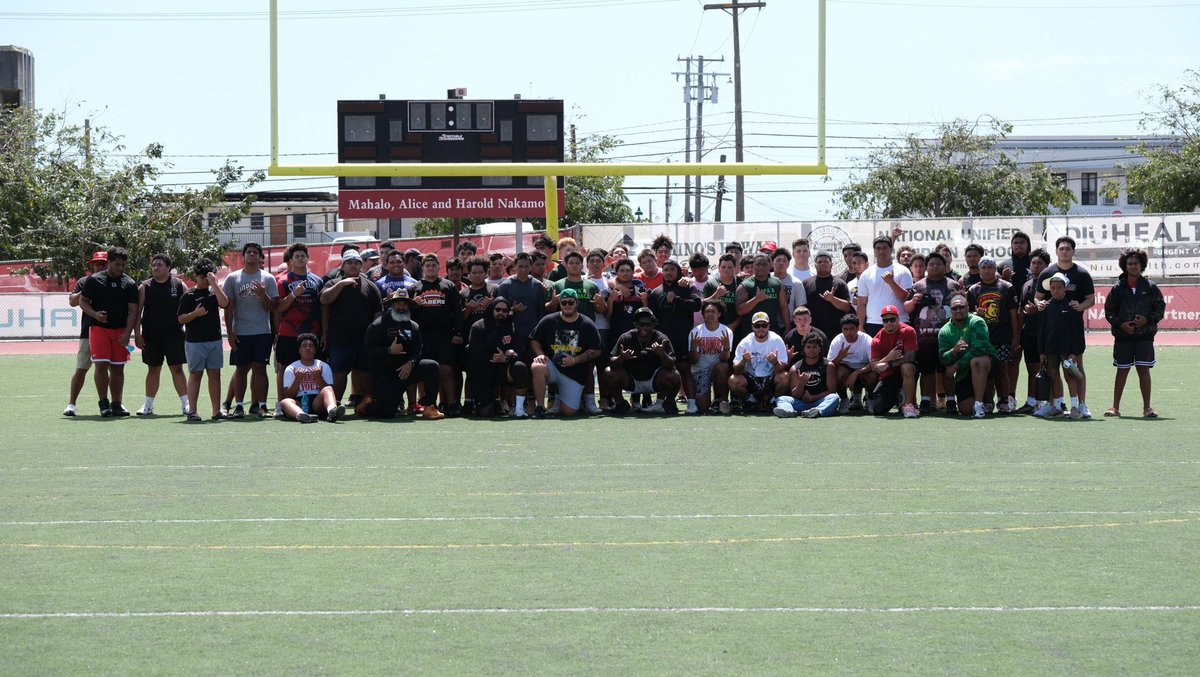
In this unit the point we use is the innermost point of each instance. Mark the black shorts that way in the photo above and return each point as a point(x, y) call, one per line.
point(1127, 354)
point(1004, 352)
point(251, 349)
point(343, 359)
point(683, 354)
point(287, 350)
point(158, 349)
point(438, 348)
point(929, 359)
point(1029, 349)
point(964, 389)
point(887, 392)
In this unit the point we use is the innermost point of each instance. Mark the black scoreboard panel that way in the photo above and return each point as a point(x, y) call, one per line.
point(451, 130)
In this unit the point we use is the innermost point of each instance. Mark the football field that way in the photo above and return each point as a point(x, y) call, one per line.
point(710, 545)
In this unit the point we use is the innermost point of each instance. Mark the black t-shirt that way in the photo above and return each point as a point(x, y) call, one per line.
point(486, 293)
point(997, 300)
point(675, 317)
point(1029, 328)
point(795, 341)
point(644, 363)
point(206, 327)
point(160, 316)
point(620, 318)
point(825, 316)
point(934, 310)
point(352, 311)
point(1020, 269)
point(437, 308)
point(814, 376)
point(772, 288)
point(1079, 281)
point(111, 295)
point(969, 279)
point(85, 322)
point(559, 338)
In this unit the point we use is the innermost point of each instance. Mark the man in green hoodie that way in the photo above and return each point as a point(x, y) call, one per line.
point(969, 356)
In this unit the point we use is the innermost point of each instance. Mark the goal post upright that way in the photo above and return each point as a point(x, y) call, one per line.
point(550, 171)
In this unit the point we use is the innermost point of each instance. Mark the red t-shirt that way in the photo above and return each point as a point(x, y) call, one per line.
point(883, 343)
point(651, 282)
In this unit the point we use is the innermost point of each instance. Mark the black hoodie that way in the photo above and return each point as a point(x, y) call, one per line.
point(487, 335)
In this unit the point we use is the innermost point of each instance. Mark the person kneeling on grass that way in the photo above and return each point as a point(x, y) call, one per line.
point(643, 362)
point(308, 386)
point(808, 381)
point(1134, 308)
point(969, 356)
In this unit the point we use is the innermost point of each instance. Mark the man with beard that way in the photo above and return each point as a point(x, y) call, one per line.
point(494, 361)
point(1016, 270)
point(643, 362)
point(928, 310)
point(763, 293)
point(83, 356)
point(394, 347)
point(527, 296)
point(996, 302)
point(893, 354)
point(828, 297)
point(564, 344)
point(675, 305)
point(968, 354)
point(760, 365)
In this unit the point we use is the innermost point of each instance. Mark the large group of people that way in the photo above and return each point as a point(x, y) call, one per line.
point(563, 331)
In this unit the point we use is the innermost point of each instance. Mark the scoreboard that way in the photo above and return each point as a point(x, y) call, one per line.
point(448, 131)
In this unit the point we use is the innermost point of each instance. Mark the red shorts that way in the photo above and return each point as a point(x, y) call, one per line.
point(107, 346)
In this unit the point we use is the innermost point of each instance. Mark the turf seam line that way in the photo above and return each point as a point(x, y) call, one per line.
point(599, 610)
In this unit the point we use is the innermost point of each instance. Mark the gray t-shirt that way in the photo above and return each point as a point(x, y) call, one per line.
point(249, 315)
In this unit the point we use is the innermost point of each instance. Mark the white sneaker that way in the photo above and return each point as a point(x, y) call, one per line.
point(656, 408)
point(784, 412)
point(554, 410)
point(1044, 410)
point(1076, 414)
point(590, 407)
point(1083, 411)
point(69, 411)
point(183, 407)
point(844, 407)
point(810, 413)
point(145, 411)
point(724, 407)
point(979, 411)
point(279, 411)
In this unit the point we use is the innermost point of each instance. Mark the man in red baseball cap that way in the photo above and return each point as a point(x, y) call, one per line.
point(894, 358)
point(83, 356)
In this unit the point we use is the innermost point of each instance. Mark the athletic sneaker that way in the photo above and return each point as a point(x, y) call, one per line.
point(810, 413)
point(785, 412)
point(670, 407)
point(306, 418)
point(952, 407)
point(238, 412)
point(1004, 407)
point(119, 410)
point(105, 409)
point(1026, 409)
point(539, 412)
point(1075, 414)
point(145, 411)
point(1083, 411)
point(254, 410)
point(692, 409)
point(844, 407)
point(909, 411)
point(69, 411)
point(335, 413)
point(554, 409)
point(279, 411)
point(1044, 411)
point(724, 408)
point(656, 408)
point(979, 411)
point(590, 407)
point(621, 408)
point(856, 402)
point(925, 407)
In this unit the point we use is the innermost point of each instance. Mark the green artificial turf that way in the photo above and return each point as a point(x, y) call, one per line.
point(645, 545)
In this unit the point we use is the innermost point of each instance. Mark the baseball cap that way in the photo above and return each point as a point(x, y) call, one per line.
point(889, 310)
point(370, 254)
point(411, 252)
point(568, 294)
point(987, 262)
point(644, 314)
point(759, 317)
point(400, 294)
point(99, 257)
point(768, 246)
point(351, 256)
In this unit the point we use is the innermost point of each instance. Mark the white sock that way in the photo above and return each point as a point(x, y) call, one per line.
point(1074, 401)
point(520, 403)
point(183, 399)
point(1058, 403)
point(1030, 401)
point(241, 404)
point(924, 398)
point(149, 402)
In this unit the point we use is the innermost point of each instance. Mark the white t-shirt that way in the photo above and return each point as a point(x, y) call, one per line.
point(759, 366)
point(860, 350)
point(307, 376)
point(879, 293)
point(602, 283)
point(712, 342)
point(799, 276)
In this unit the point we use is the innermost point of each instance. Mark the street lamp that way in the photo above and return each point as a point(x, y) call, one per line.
point(637, 215)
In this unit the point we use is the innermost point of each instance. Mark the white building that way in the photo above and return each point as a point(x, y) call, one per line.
point(280, 218)
point(1085, 164)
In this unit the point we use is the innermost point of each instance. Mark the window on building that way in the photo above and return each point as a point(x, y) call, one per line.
point(1088, 188)
point(1060, 177)
point(1132, 196)
point(536, 180)
point(212, 217)
point(462, 116)
point(360, 182)
point(395, 228)
point(360, 127)
point(541, 128)
point(300, 227)
point(256, 221)
point(417, 119)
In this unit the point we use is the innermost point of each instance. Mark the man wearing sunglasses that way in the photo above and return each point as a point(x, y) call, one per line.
point(969, 356)
point(894, 358)
point(760, 366)
point(643, 362)
point(564, 345)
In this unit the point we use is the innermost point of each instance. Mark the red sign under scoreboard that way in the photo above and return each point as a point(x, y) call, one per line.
point(445, 203)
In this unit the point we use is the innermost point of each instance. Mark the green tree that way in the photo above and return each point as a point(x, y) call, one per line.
point(589, 199)
point(1169, 179)
point(962, 172)
point(65, 193)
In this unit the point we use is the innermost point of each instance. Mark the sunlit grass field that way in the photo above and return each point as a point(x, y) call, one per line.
point(641, 545)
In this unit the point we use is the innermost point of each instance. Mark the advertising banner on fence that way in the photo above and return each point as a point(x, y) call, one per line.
point(1172, 242)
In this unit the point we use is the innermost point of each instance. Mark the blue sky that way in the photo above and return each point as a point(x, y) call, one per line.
point(193, 76)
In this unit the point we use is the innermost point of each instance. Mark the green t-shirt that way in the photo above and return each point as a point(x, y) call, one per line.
point(729, 316)
point(975, 333)
point(585, 288)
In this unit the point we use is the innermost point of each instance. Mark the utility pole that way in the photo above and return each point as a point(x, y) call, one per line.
point(667, 199)
point(720, 195)
point(735, 9)
point(703, 92)
point(687, 139)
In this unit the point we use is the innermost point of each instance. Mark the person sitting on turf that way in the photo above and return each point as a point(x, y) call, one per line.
point(643, 362)
point(495, 361)
point(808, 382)
point(308, 386)
point(893, 358)
point(710, 347)
point(969, 356)
point(849, 364)
point(760, 366)
point(393, 347)
point(1134, 308)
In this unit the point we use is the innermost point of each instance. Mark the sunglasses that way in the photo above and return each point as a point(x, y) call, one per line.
point(566, 302)
point(500, 309)
point(889, 320)
point(645, 324)
point(761, 325)
point(958, 307)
